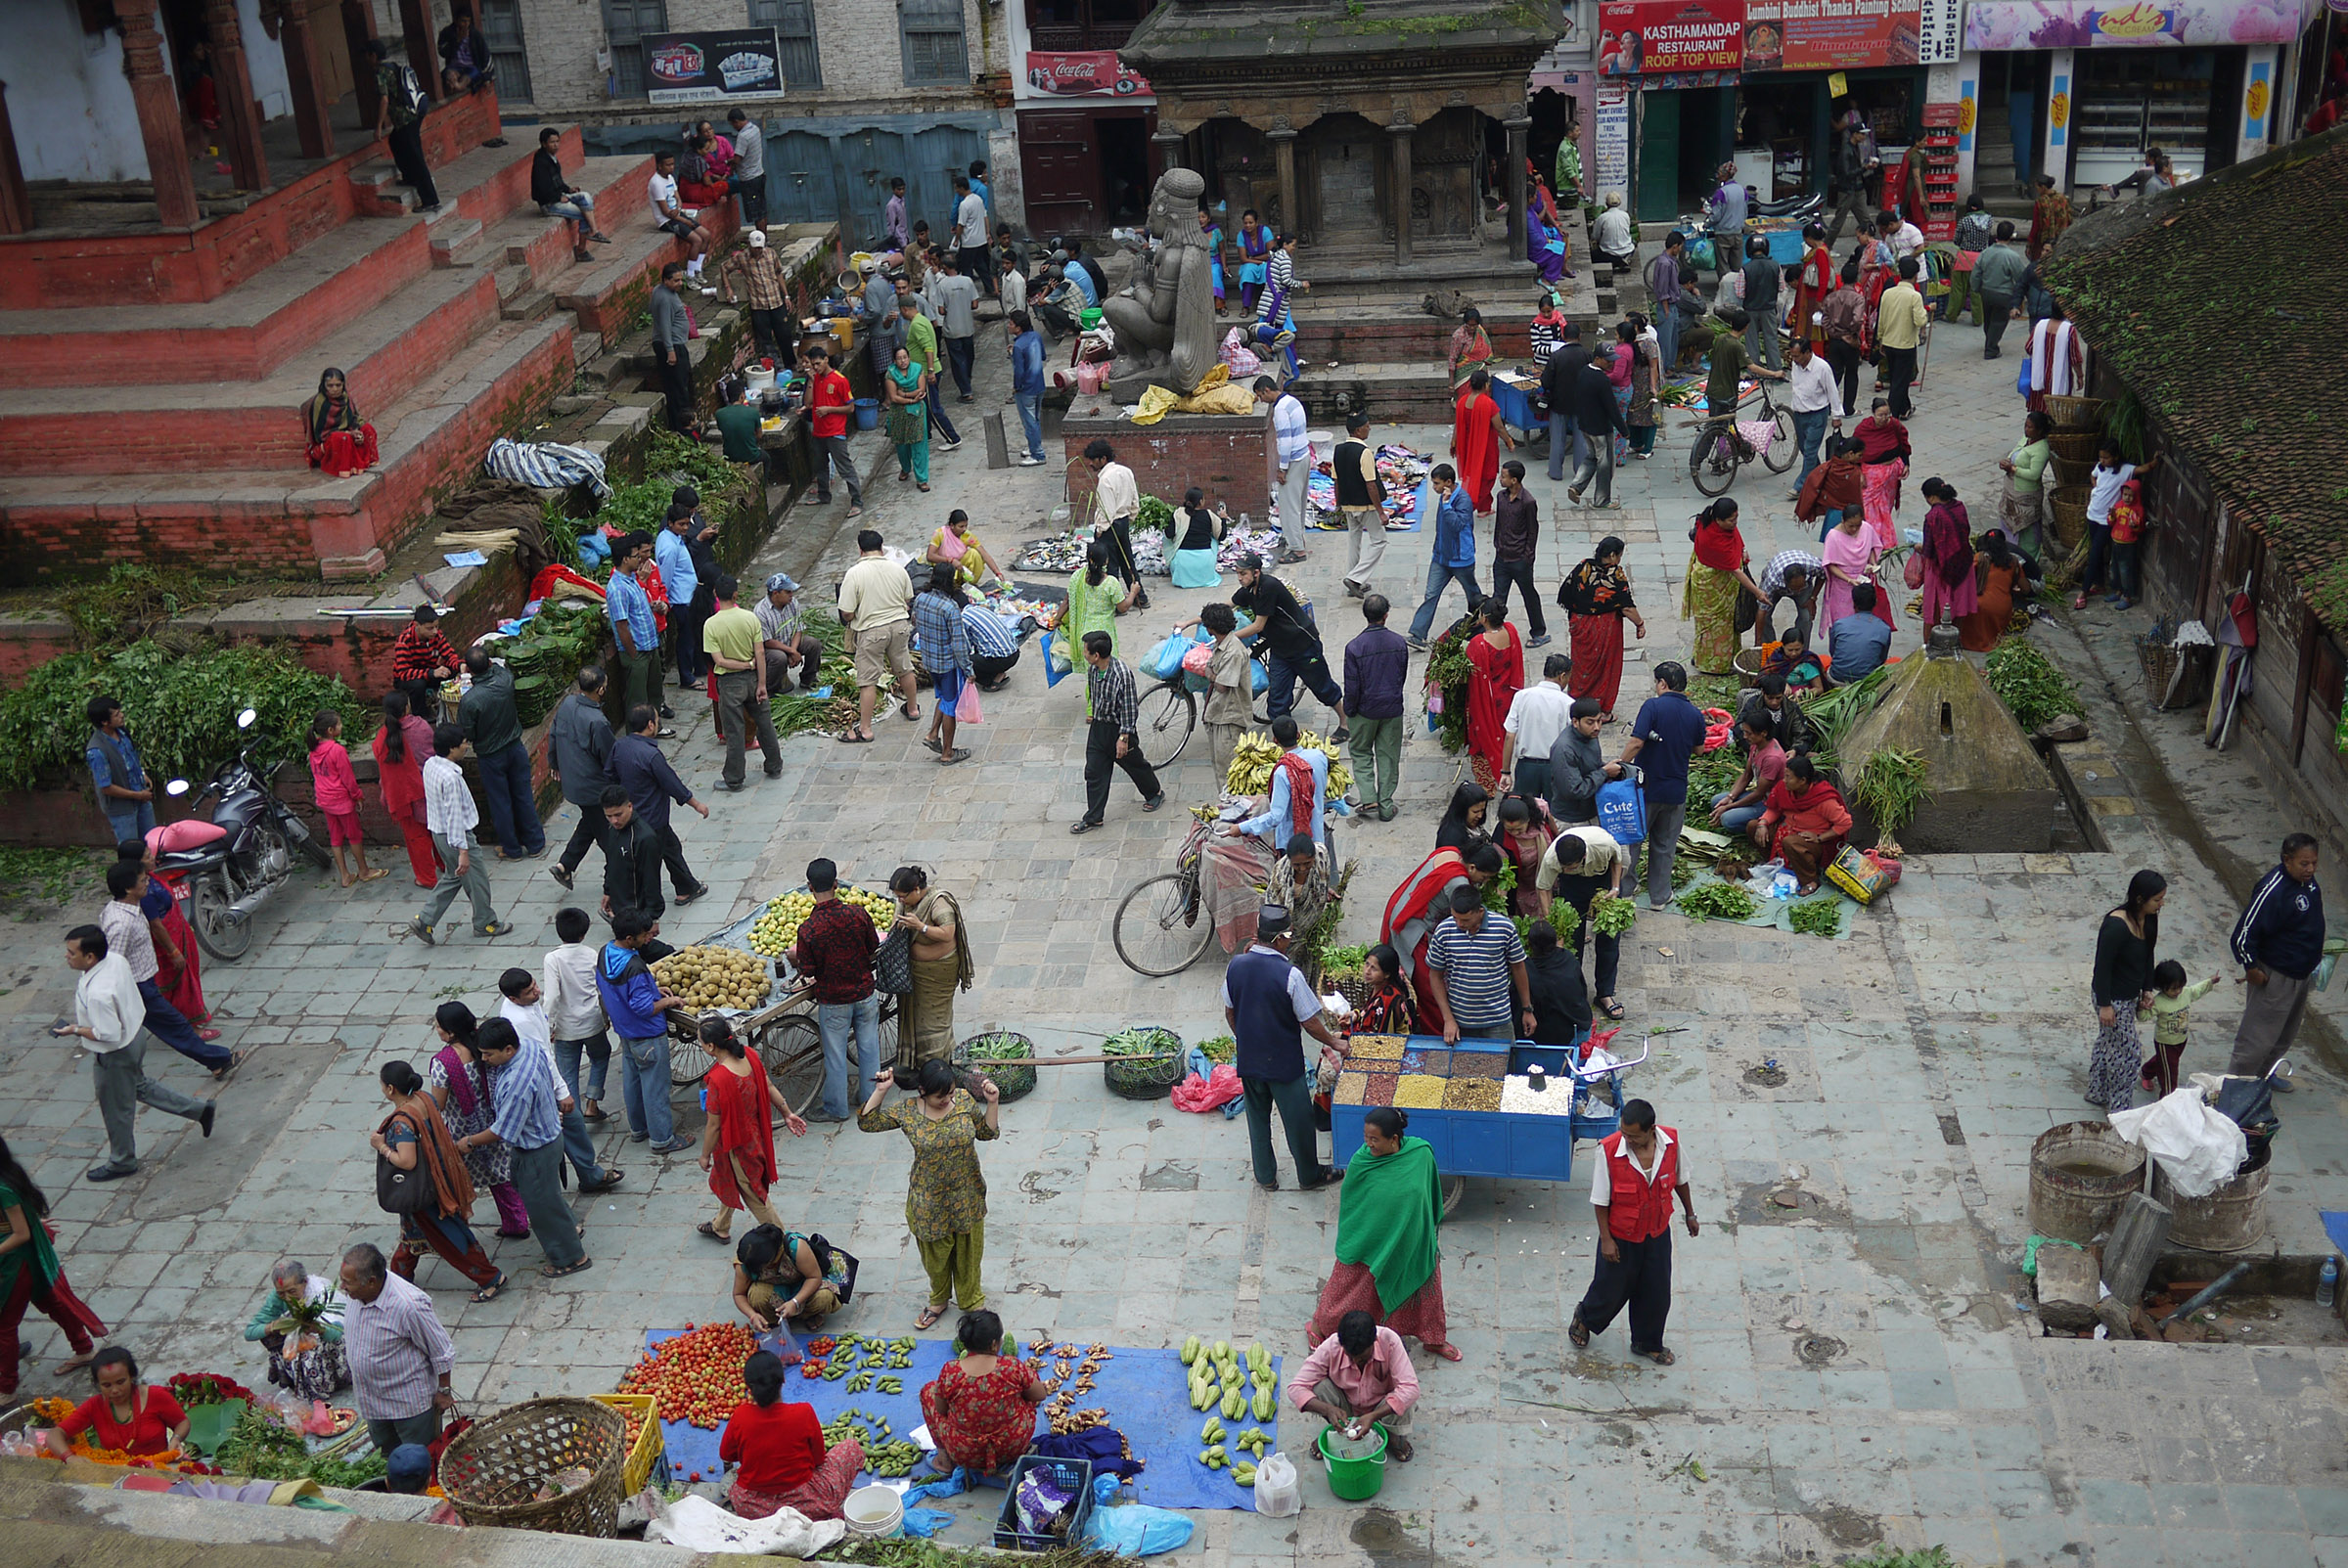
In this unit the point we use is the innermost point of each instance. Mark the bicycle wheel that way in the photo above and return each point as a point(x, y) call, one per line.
point(1712, 461)
point(1781, 449)
point(896, 1045)
point(1163, 925)
point(688, 1060)
point(792, 1049)
point(1166, 715)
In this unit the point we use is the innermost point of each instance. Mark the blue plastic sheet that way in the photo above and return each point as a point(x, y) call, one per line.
point(690, 1449)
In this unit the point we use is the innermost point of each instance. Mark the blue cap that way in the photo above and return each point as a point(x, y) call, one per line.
point(780, 583)
point(409, 1467)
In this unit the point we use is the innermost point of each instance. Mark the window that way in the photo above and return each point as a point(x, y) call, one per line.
point(501, 26)
point(934, 55)
point(625, 23)
point(793, 22)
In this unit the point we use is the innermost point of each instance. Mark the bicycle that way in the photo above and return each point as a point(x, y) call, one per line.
point(1168, 712)
point(1163, 925)
point(1721, 449)
point(787, 1038)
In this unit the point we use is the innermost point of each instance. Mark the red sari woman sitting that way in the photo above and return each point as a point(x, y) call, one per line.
point(981, 1409)
point(340, 442)
point(1805, 822)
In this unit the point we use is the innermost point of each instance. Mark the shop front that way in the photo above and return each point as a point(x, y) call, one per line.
point(1086, 123)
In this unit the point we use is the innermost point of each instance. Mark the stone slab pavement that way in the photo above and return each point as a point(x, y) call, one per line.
point(1853, 1370)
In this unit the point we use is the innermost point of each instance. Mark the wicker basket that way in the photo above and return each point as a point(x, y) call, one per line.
point(2159, 662)
point(492, 1471)
point(1016, 1082)
point(2076, 446)
point(2076, 412)
point(1147, 1080)
point(1747, 664)
point(2064, 472)
point(648, 1456)
point(2067, 510)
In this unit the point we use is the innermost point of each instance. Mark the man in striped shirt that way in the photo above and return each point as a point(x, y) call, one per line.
point(399, 1355)
point(1792, 574)
point(529, 1122)
point(994, 648)
point(1478, 960)
point(1110, 739)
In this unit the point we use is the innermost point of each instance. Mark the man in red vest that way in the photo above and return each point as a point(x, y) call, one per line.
point(1632, 1186)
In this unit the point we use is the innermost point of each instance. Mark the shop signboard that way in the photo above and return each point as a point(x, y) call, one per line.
point(2093, 25)
point(1613, 137)
point(1643, 37)
point(1087, 72)
point(1937, 25)
point(1830, 34)
point(712, 66)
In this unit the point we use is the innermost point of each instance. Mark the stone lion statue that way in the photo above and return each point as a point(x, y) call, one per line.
point(1165, 317)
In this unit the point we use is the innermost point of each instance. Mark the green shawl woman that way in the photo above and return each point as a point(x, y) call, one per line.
point(1387, 1262)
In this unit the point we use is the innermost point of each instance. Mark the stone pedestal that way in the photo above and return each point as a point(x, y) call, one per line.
point(1223, 454)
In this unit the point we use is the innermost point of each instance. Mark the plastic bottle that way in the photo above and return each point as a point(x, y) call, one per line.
point(2328, 1285)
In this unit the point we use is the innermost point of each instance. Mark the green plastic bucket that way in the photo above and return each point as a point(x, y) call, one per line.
point(1357, 1478)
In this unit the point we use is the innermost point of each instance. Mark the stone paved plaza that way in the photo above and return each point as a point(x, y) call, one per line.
point(1852, 1371)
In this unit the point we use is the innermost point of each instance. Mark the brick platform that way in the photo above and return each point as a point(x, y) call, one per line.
point(1223, 454)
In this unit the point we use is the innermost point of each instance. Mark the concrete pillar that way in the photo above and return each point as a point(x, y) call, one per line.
point(1400, 134)
point(1518, 126)
point(158, 114)
point(1282, 137)
point(312, 114)
point(2062, 106)
point(239, 115)
point(1169, 148)
point(16, 201)
point(358, 29)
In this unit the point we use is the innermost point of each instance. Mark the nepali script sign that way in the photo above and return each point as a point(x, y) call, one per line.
point(712, 66)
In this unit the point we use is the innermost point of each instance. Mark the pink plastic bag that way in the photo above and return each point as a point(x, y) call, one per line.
point(965, 706)
point(1202, 1094)
point(1200, 659)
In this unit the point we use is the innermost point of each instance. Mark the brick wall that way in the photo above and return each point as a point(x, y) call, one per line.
point(1221, 454)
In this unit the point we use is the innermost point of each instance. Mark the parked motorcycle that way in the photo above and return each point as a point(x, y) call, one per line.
point(246, 856)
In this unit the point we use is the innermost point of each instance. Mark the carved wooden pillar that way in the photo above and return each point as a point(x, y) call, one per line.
point(1282, 137)
point(239, 115)
point(424, 53)
point(358, 29)
point(1518, 126)
point(288, 22)
point(1400, 133)
point(158, 114)
point(16, 201)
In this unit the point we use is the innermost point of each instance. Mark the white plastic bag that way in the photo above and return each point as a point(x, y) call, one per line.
point(2200, 1148)
point(1276, 1493)
point(701, 1525)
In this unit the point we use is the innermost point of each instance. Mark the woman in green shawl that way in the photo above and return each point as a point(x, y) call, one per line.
point(1387, 1264)
point(31, 1277)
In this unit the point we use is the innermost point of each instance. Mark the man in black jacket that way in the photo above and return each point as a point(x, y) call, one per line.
point(632, 856)
point(465, 55)
point(2279, 941)
point(580, 737)
point(1601, 419)
point(637, 766)
point(558, 199)
point(1558, 379)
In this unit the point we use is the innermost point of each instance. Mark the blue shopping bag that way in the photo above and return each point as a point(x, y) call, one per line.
point(1622, 809)
point(1164, 661)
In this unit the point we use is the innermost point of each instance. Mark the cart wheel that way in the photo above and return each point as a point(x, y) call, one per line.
point(688, 1060)
point(1455, 1188)
point(793, 1049)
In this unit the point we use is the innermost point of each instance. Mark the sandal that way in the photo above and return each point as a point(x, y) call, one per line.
point(1610, 1008)
point(373, 874)
point(490, 1291)
point(1448, 1351)
point(947, 759)
point(580, 1266)
point(934, 744)
point(1660, 1356)
point(711, 1232)
point(1578, 1332)
point(928, 1317)
point(913, 712)
point(853, 740)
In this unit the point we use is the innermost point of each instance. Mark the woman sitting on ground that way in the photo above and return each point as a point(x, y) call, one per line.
point(778, 1451)
point(697, 183)
point(1387, 1005)
point(308, 1362)
point(780, 1275)
point(1805, 822)
point(342, 443)
point(958, 546)
point(981, 1409)
point(125, 1415)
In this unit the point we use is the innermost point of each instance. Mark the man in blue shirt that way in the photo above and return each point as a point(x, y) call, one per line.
point(1281, 813)
point(629, 610)
point(117, 774)
point(636, 1006)
point(1666, 733)
point(1269, 1008)
point(2279, 941)
point(673, 550)
point(529, 1123)
point(1027, 386)
point(1454, 552)
point(1857, 644)
point(637, 766)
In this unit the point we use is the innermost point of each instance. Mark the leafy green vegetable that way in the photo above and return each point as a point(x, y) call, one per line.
point(1611, 915)
point(2032, 689)
point(1347, 958)
point(1154, 512)
point(999, 1046)
point(1817, 917)
point(1144, 1042)
point(1891, 786)
point(1221, 1049)
point(1718, 901)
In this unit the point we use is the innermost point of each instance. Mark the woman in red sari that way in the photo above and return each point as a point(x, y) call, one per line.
point(340, 442)
point(1813, 281)
point(1497, 653)
point(778, 1449)
point(179, 967)
point(1596, 597)
point(400, 746)
point(738, 1138)
point(981, 1408)
point(1423, 902)
point(1477, 439)
point(1805, 822)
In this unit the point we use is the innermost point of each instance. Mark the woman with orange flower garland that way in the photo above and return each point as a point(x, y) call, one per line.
point(125, 1415)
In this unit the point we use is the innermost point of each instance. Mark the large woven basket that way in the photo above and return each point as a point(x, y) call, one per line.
point(1147, 1080)
point(494, 1470)
point(2075, 446)
point(2066, 508)
point(1015, 1081)
point(2076, 412)
point(2064, 473)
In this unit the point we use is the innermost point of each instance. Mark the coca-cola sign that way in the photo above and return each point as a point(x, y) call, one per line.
point(1078, 73)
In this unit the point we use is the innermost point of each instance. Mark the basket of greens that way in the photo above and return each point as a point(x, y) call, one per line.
point(1155, 1075)
point(997, 1055)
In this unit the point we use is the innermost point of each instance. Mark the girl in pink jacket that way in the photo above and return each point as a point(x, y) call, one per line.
point(334, 785)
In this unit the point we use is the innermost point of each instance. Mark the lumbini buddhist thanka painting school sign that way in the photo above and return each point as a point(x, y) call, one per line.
point(704, 67)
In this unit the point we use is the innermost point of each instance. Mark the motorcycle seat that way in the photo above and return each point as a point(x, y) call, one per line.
point(183, 838)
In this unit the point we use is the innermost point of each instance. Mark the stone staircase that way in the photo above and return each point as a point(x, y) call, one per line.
point(171, 432)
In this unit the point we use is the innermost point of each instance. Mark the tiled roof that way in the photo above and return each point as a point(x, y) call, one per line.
point(2223, 306)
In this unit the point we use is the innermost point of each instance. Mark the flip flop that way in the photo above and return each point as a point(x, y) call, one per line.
point(580, 1266)
point(928, 1317)
point(1660, 1355)
point(491, 1291)
point(947, 759)
point(1447, 1352)
point(1578, 1332)
point(709, 1231)
point(74, 1364)
point(374, 875)
point(853, 740)
point(912, 712)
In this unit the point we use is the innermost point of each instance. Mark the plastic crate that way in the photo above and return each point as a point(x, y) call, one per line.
point(1074, 1474)
point(647, 1454)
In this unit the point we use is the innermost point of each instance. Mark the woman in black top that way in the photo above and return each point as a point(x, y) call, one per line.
point(1194, 563)
point(2125, 953)
point(1553, 976)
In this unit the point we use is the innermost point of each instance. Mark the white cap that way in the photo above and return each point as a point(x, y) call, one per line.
point(758, 237)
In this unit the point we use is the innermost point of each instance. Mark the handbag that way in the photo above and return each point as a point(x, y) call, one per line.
point(402, 1193)
point(892, 962)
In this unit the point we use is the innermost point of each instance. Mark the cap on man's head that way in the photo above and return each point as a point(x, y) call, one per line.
point(408, 1469)
point(780, 583)
point(1271, 920)
point(758, 239)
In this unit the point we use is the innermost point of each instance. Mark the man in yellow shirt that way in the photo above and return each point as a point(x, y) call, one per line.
point(1900, 328)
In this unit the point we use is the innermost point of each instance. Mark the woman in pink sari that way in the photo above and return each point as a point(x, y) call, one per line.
point(1850, 552)
point(1884, 453)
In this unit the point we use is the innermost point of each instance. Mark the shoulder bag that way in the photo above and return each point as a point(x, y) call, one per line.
point(398, 1191)
point(892, 961)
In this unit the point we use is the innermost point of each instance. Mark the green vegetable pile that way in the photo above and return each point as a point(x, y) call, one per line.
point(1611, 915)
point(1221, 1050)
point(1498, 890)
point(1143, 1042)
point(884, 1453)
point(1448, 671)
point(1718, 901)
point(1154, 511)
point(999, 1046)
point(259, 1446)
point(1818, 918)
point(2033, 690)
point(1890, 787)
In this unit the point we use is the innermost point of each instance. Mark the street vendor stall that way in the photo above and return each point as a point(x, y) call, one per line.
point(726, 974)
point(1487, 1108)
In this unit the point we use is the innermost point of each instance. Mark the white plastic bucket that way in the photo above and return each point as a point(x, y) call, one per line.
point(874, 1510)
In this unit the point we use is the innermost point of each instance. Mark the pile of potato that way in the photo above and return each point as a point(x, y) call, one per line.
point(714, 977)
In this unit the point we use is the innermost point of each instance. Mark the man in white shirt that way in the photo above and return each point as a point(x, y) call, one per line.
point(669, 214)
point(970, 228)
point(748, 179)
point(107, 1013)
point(524, 1007)
point(1295, 452)
point(1116, 497)
point(1537, 715)
point(1614, 243)
point(451, 816)
point(574, 1010)
point(1814, 396)
point(876, 605)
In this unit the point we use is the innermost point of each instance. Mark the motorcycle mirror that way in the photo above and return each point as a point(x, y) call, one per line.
point(176, 788)
point(245, 720)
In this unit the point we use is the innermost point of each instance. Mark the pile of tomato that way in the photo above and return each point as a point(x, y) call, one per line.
point(696, 1376)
